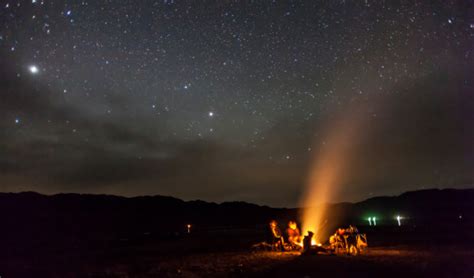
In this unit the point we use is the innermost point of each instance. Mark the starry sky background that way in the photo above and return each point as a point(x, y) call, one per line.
point(231, 100)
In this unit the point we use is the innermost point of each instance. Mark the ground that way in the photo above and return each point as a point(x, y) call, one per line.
point(229, 254)
point(402, 261)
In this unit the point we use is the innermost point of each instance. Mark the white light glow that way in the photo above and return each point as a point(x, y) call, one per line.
point(33, 69)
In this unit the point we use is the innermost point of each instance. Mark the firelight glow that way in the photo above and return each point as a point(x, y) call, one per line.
point(326, 174)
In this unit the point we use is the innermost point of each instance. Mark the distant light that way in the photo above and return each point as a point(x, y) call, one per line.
point(68, 12)
point(33, 69)
point(17, 121)
point(399, 220)
point(211, 114)
point(374, 220)
point(460, 216)
point(370, 221)
point(188, 227)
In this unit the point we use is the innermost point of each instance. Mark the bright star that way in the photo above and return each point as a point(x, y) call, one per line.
point(33, 69)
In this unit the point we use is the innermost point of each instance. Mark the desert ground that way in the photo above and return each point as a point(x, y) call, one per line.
point(378, 262)
point(230, 255)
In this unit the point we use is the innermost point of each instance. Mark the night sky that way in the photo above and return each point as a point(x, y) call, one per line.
point(232, 100)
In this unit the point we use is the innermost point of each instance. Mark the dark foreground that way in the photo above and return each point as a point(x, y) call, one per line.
point(73, 235)
point(146, 260)
point(378, 262)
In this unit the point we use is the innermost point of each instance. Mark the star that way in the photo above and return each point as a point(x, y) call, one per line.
point(33, 69)
point(211, 114)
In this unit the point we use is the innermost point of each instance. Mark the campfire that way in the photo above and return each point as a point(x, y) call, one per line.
point(344, 241)
point(292, 240)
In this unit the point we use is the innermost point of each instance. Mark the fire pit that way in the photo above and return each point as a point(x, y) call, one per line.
point(344, 242)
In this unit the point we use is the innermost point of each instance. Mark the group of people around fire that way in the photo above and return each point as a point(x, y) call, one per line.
point(348, 241)
point(292, 240)
point(343, 240)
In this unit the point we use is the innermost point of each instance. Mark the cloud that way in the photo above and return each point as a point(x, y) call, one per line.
point(420, 136)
